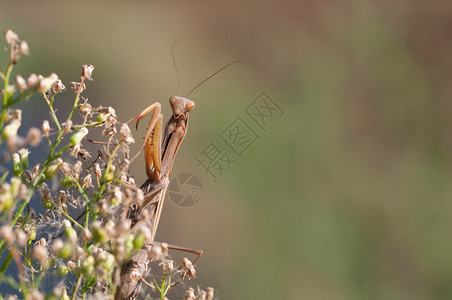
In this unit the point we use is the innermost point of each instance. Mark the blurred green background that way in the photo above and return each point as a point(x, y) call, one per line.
point(347, 195)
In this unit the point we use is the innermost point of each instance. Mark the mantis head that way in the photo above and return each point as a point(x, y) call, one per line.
point(181, 106)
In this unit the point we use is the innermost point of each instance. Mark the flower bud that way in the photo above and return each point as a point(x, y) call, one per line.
point(11, 37)
point(138, 240)
point(46, 83)
point(66, 181)
point(18, 168)
point(52, 170)
point(65, 251)
point(77, 137)
point(21, 83)
point(87, 267)
point(24, 157)
point(46, 128)
point(10, 130)
point(15, 186)
point(34, 136)
point(71, 234)
point(6, 199)
point(62, 270)
point(23, 48)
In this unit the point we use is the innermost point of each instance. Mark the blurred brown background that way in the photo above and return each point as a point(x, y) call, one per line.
point(347, 195)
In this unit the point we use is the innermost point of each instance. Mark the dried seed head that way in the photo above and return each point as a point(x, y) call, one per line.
point(168, 266)
point(190, 294)
point(65, 168)
point(109, 131)
point(87, 235)
point(75, 150)
point(71, 265)
point(35, 170)
point(7, 233)
point(24, 190)
point(23, 48)
point(21, 237)
point(87, 110)
point(40, 253)
point(97, 170)
point(67, 126)
point(203, 295)
point(77, 169)
point(123, 177)
point(87, 71)
point(32, 80)
point(124, 226)
point(62, 198)
point(11, 37)
point(155, 252)
point(58, 86)
point(46, 128)
point(21, 83)
point(84, 154)
point(126, 134)
point(116, 197)
point(210, 293)
point(77, 87)
point(110, 227)
point(103, 207)
point(30, 231)
point(164, 247)
point(147, 233)
point(188, 267)
point(34, 136)
point(57, 245)
point(16, 114)
point(36, 295)
point(87, 181)
point(42, 242)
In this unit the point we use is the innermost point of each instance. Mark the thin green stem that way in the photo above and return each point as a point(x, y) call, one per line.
point(77, 285)
point(77, 98)
point(5, 96)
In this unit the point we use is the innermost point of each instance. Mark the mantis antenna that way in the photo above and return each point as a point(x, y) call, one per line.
point(175, 65)
point(210, 76)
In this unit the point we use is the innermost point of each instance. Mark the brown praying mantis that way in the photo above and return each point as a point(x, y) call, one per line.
point(159, 157)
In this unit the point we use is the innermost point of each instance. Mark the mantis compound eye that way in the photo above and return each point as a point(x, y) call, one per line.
point(189, 105)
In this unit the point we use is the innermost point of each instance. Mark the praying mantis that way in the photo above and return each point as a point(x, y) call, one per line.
point(159, 154)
